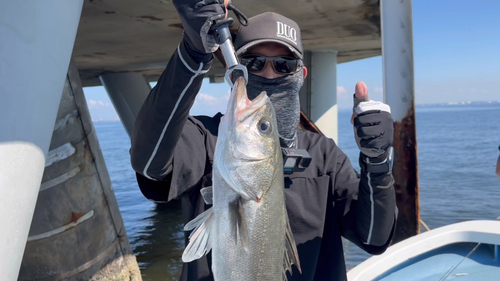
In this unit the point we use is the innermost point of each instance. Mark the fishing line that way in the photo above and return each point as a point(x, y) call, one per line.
point(453, 268)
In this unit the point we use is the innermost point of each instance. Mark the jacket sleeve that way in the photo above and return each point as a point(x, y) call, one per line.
point(365, 205)
point(162, 117)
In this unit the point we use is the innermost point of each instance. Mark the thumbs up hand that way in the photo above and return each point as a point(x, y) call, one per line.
point(373, 125)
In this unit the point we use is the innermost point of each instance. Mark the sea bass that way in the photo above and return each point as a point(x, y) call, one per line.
point(247, 227)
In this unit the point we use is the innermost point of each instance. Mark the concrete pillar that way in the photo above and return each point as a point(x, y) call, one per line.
point(36, 41)
point(127, 92)
point(305, 91)
point(399, 93)
point(323, 92)
point(77, 232)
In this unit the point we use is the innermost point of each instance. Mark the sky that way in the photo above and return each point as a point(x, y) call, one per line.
point(456, 59)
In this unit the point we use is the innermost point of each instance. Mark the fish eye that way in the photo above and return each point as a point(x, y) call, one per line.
point(264, 127)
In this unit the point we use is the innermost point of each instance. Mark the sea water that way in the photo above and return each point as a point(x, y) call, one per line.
point(457, 154)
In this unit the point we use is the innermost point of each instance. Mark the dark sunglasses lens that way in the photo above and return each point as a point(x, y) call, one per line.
point(253, 63)
point(285, 65)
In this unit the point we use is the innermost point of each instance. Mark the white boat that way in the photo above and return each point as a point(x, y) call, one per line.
point(463, 251)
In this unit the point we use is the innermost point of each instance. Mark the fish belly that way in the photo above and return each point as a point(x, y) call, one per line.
point(266, 224)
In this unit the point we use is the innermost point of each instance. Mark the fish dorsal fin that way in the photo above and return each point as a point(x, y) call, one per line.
point(208, 195)
point(238, 224)
point(291, 254)
point(199, 240)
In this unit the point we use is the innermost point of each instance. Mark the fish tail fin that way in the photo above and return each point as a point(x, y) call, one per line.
point(239, 226)
point(199, 240)
point(291, 255)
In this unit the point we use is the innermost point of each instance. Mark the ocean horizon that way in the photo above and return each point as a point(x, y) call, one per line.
point(425, 105)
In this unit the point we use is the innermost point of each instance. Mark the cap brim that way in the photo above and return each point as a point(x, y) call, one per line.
point(249, 45)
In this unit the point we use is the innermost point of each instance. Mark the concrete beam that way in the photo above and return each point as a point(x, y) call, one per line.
point(37, 41)
point(120, 36)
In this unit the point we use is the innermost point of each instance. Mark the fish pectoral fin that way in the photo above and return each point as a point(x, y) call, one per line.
point(291, 254)
point(242, 227)
point(238, 224)
point(199, 240)
point(208, 196)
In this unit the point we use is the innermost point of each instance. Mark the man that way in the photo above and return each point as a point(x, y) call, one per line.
point(172, 152)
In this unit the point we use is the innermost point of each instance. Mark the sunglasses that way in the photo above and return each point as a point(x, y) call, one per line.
point(281, 65)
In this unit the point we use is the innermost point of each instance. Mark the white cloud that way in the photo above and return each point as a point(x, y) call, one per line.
point(341, 90)
point(378, 90)
point(209, 100)
point(94, 104)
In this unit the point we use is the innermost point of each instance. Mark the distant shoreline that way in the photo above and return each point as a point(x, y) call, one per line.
point(106, 121)
point(425, 105)
point(461, 103)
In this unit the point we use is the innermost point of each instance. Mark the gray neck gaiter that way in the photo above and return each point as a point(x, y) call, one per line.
point(284, 95)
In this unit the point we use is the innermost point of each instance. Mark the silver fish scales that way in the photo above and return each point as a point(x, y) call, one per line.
point(247, 229)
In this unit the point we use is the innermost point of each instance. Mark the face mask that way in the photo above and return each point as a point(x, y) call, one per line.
point(284, 95)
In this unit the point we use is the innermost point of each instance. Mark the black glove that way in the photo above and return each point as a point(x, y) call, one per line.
point(374, 132)
point(197, 16)
point(374, 135)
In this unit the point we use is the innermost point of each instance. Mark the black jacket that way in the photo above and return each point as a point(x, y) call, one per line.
point(172, 154)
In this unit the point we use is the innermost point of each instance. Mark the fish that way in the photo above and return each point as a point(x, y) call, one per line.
point(247, 228)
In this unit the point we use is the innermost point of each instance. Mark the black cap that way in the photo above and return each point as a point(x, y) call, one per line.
point(269, 27)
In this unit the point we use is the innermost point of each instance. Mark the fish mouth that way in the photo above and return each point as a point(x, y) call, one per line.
point(244, 106)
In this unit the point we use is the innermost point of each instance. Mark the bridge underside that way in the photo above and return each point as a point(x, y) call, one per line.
point(128, 36)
